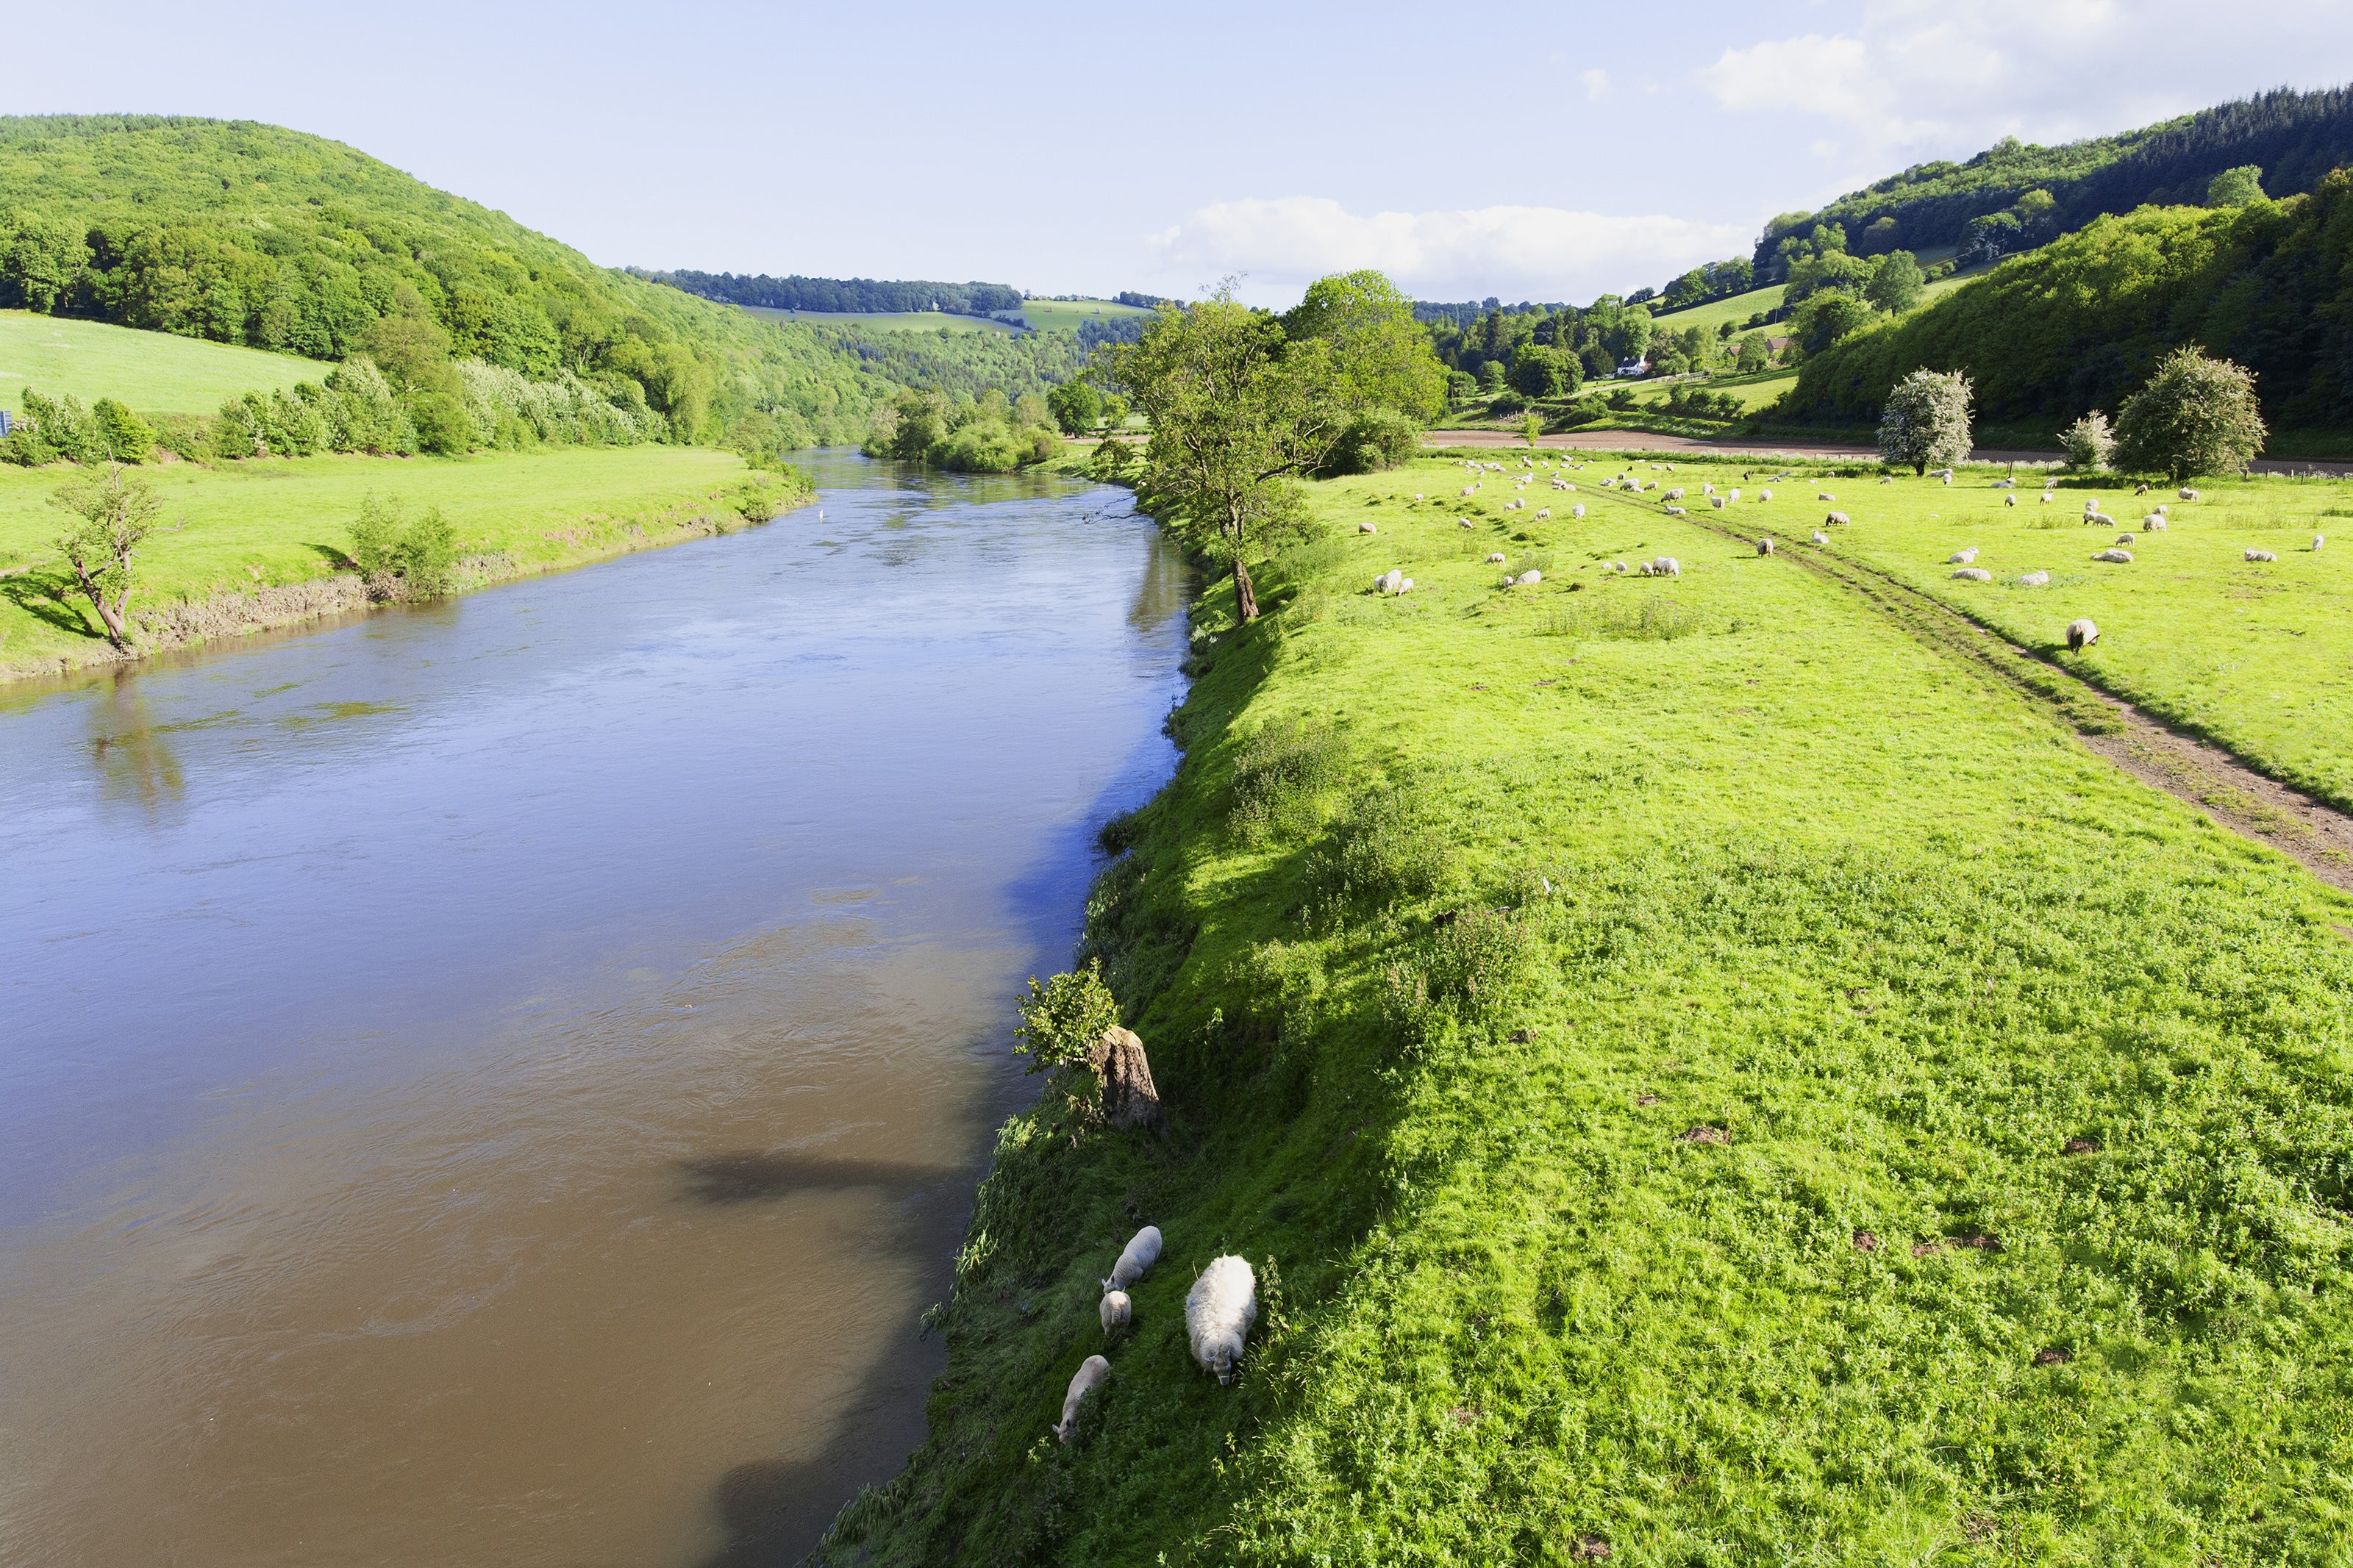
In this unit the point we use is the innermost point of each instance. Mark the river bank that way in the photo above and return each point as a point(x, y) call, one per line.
point(260, 545)
point(1677, 1052)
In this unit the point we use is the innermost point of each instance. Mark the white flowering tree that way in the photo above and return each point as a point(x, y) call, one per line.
point(1926, 420)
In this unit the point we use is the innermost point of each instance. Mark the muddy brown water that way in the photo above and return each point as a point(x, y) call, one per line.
point(499, 1083)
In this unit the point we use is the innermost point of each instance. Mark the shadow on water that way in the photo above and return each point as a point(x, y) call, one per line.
point(774, 1512)
point(135, 764)
point(754, 1177)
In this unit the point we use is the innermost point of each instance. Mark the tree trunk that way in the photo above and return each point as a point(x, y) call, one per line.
point(111, 616)
point(1245, 597)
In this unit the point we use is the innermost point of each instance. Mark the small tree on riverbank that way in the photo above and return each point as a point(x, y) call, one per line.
point(1926, 420)
point(2196, 415)
point(112, 516)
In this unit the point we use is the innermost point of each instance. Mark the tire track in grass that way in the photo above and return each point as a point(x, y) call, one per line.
point(2230, 791)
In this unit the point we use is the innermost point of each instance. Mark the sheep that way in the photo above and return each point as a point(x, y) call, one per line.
point(1115, 1311)
point(1468, 489)
point(1974, 575)
point(2261, 555)
point(1389, 582)
point(1666, 566)
point(1962, 557)
point(1567, 486)
point(1219, 1310)
point(1886, 479)
point(1764, 547)
point(1496, 559)
point(1824, 495)
point(1543, 514)
point(2010, 501)
point(2046, 497)
point(2118, 557)
point(1763, 495)
point(1515, 505)
point(1733, 494)
point(1820, 538)
point(2186, 494)
point(2081, 635)
point(2010, 484)
point(1465, 522)
point(2140, 490)
point(1085, 1380)
point(1417, 495)
point(2154, 522)
point(2123, 539)
point(1707, 489)
point(1674, 494)
point(1716, 501)
point(1651, 486)
point(1143, 1249)
point(2318, 540)
point(1677, 512)
point(2035, 580)
point(1527, 578)
point(1577, 511)
point(1836, 518)
point(1366, 528)
point(2099, 518)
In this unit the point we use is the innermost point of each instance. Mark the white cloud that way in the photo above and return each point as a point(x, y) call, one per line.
point(1596, 83)
point(1537, 253)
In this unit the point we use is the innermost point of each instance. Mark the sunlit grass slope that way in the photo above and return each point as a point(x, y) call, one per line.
point(1701, 1076)
point(153, 372)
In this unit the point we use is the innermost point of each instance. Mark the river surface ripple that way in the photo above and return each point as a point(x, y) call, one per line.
point(497, 1083)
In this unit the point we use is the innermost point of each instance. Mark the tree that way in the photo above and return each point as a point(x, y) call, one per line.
point(2235, 187)
point(2089, 443)
point(112, 517)
point(1491, 375)
point(128, 437)
point(1239, 408)
point(408, 345)
point(1114, 410)
point(2196, 415)
point(1381, 354)
point(1827, 318)
point(1754, 354)
point(1029, 412)
point(1062, 1019)
point(1076, 406)
point(1926, 420)
point(1542, 373)
point(1895, 282)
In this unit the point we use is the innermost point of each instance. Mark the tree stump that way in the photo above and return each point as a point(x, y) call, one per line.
point(1128, 1097)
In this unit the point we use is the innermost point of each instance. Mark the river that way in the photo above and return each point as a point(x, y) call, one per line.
point(498, 1082)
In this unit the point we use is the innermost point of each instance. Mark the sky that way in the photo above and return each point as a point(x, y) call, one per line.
point(1544, 151)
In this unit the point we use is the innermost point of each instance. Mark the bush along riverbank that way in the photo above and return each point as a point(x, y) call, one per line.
point(1699, 1076)
point(244, 547)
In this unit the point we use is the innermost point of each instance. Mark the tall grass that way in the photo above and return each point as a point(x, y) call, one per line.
point(1653, 620)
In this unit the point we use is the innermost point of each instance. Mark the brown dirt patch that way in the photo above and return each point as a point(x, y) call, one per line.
point(1703, 1133)
point(1864, 1241)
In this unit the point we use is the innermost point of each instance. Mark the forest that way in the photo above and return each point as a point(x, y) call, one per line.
point(2014, 196)
point(2078, 323)
point(843, 295)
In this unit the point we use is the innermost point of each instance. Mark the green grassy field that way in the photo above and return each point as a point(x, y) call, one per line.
point(1703, 1076)
point(1064, 315)
point(1736, 308)
point(153, 372)
point(885, 320)
point(247, 528)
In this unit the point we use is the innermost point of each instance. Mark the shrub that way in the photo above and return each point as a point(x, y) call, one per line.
point(127, 437)
point(442, 426)
point(1926, 420)
point(1379, 855)
point(2089, 443)
point(407, 559)
point(1280, 771)
point(2196, 415)
point(1376, 440)
point(1062, 1019)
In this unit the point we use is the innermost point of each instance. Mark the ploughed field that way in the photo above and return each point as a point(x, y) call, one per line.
point(1702, 1076)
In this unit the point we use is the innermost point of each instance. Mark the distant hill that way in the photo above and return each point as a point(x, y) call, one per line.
point(843, 296)
point(251, 235)
point(2294, 137)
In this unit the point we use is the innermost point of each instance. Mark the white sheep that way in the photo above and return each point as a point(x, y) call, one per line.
point(1085, 1380)
point(1529, 577)
point(2186, 494)
point(1732, 494)
point(1763, 495)
point(1389, 582)
point(1764, 547)
point(2154, 522)
point(2261, 555)
point(1716, 501)
point(1496, 559)
point(1577, 511)
point(1515, 506)
point(1468, 489)
point(2123, 539)
point(1677, 512)
point(2117, 557)
point(2046, 497)
point(1219, 1310)
point(1707, 489)
point(1366, 528)
point(1975, 575)
point(1666, 566)
point(2005, 484)
point(2035, 580)
point(2318, 540)
point(1143, 1249)
point(1820, 538)
point(1115, 1311)
point(2140, 490)
point(2081, 634)
point(1962, 557)
point(1465, 522)
point(1674, 494)
point(2100, 517)
point(1417, 495)
point(1824, 495)
point(1838, 518)
point(1886, 479)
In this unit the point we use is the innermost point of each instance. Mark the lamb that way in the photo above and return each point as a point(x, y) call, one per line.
point(2119, 557)
point(1143, 1249)
point(1820, 538)
point(1764, 547)
point(1116, 1310)
point(2261, 555)
point(1085, 1380)
point(2123, 539)
point(1975, 575)
point(2186, 494)
point(1962, 557)
point(1577, 511)
point(1836, 518)
point(2035, 580)
point(2081, 634)
point(1219, 1310)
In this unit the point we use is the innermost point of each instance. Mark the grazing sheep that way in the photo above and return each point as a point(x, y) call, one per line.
point(1707, 489)
point(1674, 494)
point(1763, 495)
point(1115, 1311)
point(1465, 522)
point(1666, 566)
point(1219, 1310)
point(1732, 494)
point(2046, 497)
point(1143, 1249)
point(2318, 540)
point(2123, 539)
point(1716, 501)
point(2035, 580)
point(1886, 479)
point(2010, 501)
point(2161, 508)
point(1468, 489)
point(1366, 528)
point(2153, 523)
point(2261, 555)
point(1836, 519)
point(1962, 557)
point(1515, 505)
point(1417, 495)
point(1824, 495)
point(1529, 577)
point(1620, 567)
point(1496, 559)
point(1820, 538)
point(1389, 582)
point(2005, 484)
point(2141, 490)
point(1577, 511)
point(2117, 557)
point(1764, 547)
point(1544, 513)
point(1085, 1380)
point(1975, 575)
point(2081, 634)
point(2099, 518)
point(2186, 494)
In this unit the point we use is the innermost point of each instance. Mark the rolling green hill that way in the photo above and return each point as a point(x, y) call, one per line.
point(147, 371)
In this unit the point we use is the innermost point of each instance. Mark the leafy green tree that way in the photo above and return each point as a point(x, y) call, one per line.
point(43, 263)
point(2089, 443)
point(1895, 283)
point(1754, 354)
point(1029, 412)
point(1114, 410)
point(112, 516)
point(401, 557)
point(2235, 187)
point(1076, 406)
point(1239, 408)
point(1491, 375)
point(1062, 1020)
point(1545, 373)
point(442, 426)
point(128, 437)
point(2037, 211)
point(1827, 318)
point(1380, 353)
point(2195, 416)
point(1926, 420)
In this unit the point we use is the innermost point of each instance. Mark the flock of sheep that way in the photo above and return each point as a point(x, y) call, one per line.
point(1219, 1311)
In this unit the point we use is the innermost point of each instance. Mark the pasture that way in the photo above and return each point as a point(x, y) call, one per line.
point(241, 529)
point(884, 321)
point(1064, 315)
point(153, 373)
point(1704, 1077)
